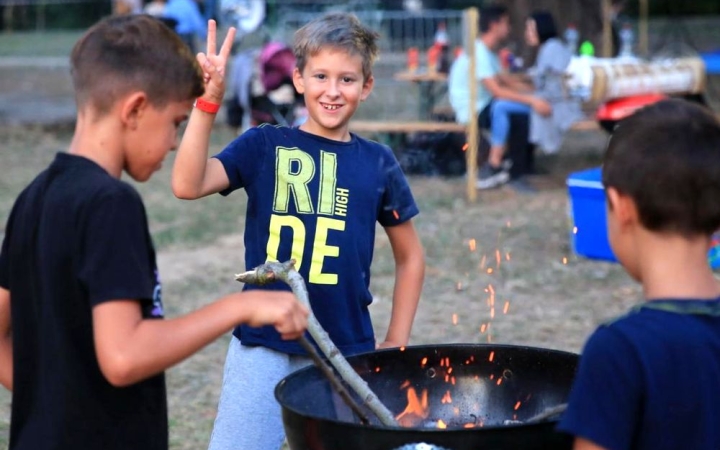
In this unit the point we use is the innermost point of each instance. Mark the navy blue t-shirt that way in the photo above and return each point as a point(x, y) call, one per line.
point(318, 201)
point(651, 380)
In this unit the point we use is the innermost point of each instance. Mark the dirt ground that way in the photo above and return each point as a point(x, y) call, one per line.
point(515, 242)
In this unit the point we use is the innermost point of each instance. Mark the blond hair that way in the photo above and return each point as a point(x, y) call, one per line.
point(337, 30)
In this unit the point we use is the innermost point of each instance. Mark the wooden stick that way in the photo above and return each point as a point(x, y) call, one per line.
point(334, 382)
point(275, 271)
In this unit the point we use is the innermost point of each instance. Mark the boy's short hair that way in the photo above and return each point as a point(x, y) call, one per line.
point(339, 30)
point(666, 157)
point(491, 14)
point(122, 54)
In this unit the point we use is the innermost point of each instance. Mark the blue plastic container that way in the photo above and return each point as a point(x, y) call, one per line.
point(712, 62)
point(588, 218)
point(588, 215)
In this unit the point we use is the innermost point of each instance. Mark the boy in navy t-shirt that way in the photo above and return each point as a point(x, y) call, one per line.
point(315, 194)
point(651, 379)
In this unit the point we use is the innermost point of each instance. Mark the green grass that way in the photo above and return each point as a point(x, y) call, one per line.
point(47, 43)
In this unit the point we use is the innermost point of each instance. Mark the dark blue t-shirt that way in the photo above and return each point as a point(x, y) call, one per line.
point(317, 200)
point(651, 380)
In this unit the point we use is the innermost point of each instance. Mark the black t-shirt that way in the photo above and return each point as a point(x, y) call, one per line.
point(77, 237)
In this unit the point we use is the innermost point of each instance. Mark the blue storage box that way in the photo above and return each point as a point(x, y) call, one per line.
point(588, 216)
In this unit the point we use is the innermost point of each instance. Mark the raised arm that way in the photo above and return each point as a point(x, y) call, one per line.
point(6, 353)
point(409, 275)
point(194, 175)
point(130, 348)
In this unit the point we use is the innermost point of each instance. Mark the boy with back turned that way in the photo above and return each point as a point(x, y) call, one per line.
point(650, 380)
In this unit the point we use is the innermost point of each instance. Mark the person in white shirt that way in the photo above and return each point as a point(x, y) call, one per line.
point(498, 94)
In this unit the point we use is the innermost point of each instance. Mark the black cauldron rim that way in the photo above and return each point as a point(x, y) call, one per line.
point(427, 431)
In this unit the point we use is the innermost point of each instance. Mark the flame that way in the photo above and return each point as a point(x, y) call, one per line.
point(441, 424)
point(472, 244)
point(454, 319)
point(506, 307)
point(447, 398)
point(416, 407)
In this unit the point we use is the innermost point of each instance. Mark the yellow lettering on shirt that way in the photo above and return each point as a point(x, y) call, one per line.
point(321, 250)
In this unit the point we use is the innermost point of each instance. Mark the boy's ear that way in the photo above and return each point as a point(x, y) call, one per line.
point(622, 206)
point(132, 108)
point(367, 88)
point(298, 81)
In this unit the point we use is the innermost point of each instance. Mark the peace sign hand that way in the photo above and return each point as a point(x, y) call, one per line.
point(213, 65)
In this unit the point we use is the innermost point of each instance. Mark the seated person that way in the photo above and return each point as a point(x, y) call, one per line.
point(498, 95)
point(548, 76)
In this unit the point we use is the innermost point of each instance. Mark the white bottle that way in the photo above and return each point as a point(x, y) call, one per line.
point(571, 39)
point(626, 41)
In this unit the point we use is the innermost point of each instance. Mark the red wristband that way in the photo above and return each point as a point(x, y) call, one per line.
point(206, 106)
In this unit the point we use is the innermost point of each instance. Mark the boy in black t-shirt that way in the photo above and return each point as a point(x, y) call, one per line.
point(81, 344)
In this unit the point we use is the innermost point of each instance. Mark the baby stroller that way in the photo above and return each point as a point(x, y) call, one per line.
point(262, 90)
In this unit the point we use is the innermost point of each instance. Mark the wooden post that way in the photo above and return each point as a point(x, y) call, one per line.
point(470, 26)
point(643, 42)
point(607, 50)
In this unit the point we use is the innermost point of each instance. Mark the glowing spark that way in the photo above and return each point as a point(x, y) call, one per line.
point(499, 381)
point(446, 398)
point(483, 261)
point(498, 258)
point(492, 312)
point(492, 375)
point(396, 215)
point(441, 424)
point(423, 362)
point(454, 319)
point(405, 384)
point(459, 286)
point(506, 307)
point(472, 244)
point(377, 369)
point(402, 349)
point(469, 425)
point(490, 270)
point(492, 356)
point(482, 328)
point(447, 378)
point(465, 146)
point(452, 380)
point(517, 405)
point(450, 370)
point(507, 256)
point(564, 260)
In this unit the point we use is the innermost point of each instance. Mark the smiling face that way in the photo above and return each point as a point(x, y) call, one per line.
point(333, 85)
point(154, 135)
